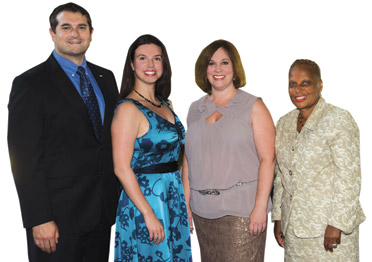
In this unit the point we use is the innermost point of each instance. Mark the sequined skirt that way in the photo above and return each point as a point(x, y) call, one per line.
point(228, 239)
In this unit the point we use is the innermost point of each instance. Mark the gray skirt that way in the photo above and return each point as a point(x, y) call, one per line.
point(228, 239)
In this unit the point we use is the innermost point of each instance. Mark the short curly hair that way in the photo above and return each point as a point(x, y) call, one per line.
point(204, 58)
point(315, 69)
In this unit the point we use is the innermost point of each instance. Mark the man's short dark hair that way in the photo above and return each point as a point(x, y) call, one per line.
point(69, 7)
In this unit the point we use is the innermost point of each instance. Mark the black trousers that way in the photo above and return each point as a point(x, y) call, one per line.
point(83, 247)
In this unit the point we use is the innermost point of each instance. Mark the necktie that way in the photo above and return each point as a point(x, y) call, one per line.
point(90, 101)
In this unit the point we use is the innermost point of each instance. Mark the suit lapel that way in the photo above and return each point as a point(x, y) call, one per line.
point(67, 88)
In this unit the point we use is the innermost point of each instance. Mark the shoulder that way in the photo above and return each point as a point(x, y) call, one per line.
point(127, 105)
point(195, 109)
point(287, 118)
point(127, 112)
point(338, 118)
point(246, 96)
point(33, 74)
point(244, 102)
point(31, 81)
point(195, 106)
point(99, 69)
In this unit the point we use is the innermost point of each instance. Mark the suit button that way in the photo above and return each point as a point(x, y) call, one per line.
point(290, 172)
point(292, 148)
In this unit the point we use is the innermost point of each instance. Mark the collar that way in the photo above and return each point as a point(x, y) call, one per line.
point(316, 114)
point(69, 67)
point(205, 102)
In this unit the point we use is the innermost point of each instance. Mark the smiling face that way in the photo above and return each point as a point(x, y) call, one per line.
point(304, 89)
point(147, 64)
point(72, 37)
point(220, 71)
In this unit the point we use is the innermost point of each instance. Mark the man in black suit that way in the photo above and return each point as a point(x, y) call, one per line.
point(60, 146)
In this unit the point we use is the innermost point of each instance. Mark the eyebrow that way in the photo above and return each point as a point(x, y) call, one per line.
point(146, 55)
point(67, 24)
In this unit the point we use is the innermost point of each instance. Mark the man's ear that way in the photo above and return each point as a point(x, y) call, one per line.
point(52, 34)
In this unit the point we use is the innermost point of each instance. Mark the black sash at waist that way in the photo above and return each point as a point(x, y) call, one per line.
point(158, 168)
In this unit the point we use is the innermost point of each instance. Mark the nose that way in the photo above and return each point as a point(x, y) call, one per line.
point(218, 68)
point(298, 89)
point(74, 32)
point(151, 63)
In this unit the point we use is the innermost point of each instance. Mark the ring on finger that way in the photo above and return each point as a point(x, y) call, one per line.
point(334, 245)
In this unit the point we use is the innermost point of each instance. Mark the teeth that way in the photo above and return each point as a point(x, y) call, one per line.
point(150, 73)
point(300, 97)
point(218, 77)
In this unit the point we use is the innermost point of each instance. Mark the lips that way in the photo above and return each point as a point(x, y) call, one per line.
point(149, 73)
point(74, 42)
point(300, 98)
point(218, 77)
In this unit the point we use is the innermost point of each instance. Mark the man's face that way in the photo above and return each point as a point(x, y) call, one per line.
point(72, 37)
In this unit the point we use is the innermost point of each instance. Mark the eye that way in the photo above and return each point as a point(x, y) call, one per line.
point(65, 27)
point(292, 84)
point(306, 83)
point(141, 58)
point(211, 63)
point(83, 27)
point(158, 58)
point(225, 62)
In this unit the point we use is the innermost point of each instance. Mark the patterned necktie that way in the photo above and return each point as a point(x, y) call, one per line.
point(90, 101)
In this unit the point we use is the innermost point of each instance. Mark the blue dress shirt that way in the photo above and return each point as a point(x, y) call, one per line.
point(70, 69)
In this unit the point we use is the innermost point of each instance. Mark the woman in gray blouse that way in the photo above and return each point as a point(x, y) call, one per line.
point(229, 162)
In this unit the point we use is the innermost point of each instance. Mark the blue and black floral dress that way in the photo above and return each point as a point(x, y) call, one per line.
point(163, 191)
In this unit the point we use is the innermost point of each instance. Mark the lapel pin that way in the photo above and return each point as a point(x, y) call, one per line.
point(100, 75)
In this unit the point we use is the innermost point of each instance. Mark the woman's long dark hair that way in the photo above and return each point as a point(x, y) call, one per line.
point(162, 85)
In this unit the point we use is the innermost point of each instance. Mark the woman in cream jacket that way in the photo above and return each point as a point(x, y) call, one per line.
point(316, 205)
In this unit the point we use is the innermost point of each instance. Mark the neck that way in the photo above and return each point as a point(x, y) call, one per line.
point(77, 60)
point(147, 91)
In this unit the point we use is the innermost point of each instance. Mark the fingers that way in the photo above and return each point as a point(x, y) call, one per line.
point(46, 236)
point(331, 244)
point(157, 237)
point(48, 246)
point(279, 237)
point(191, 225)
point(191, 229)
point(256, 228)
point(278, 233)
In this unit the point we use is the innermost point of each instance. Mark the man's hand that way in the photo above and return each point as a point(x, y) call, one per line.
point(46, 236)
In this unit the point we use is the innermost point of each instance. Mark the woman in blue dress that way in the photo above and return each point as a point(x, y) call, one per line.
point(147, 137)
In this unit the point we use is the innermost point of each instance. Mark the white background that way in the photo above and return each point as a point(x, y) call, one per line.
point(269, 35)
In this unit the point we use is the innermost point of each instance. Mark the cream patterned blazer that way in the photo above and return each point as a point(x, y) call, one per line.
point(317, 177)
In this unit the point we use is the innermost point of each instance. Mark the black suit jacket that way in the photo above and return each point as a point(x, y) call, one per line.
point(61, 171)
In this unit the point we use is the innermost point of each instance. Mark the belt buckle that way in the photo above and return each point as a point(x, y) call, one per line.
point(213, 192)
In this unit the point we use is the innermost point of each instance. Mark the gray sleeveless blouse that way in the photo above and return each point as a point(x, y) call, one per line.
point(221, 155)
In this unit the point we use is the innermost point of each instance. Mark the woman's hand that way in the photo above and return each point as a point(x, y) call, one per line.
point(257, 221)
point(189, 216)
point(332, 238)
point(155, 228)
point(278, 233)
